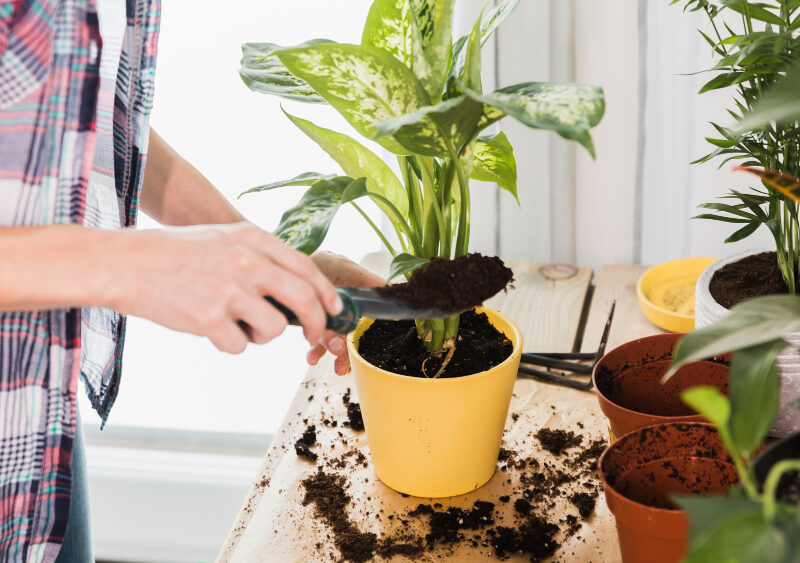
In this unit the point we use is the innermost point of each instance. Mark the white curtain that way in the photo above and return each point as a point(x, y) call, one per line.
point(633, 203)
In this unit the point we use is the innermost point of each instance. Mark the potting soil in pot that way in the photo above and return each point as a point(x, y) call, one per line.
point(453, 285)
point(752, 276)
point(395, 346)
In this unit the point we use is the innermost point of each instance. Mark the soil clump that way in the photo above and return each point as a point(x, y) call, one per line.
point(453, 285)
point(302, 447)
point(752, 276)
point(395, 346)
point(556, 441)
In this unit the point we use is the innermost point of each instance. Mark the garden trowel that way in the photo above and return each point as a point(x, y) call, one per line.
point(367, 302)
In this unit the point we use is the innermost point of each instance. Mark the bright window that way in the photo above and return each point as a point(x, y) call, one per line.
point(238, 139)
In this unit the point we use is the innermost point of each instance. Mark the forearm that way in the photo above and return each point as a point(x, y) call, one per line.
point(175, 193)
point(57, 266)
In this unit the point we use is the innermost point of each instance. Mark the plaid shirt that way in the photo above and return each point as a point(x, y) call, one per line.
point(70, 152)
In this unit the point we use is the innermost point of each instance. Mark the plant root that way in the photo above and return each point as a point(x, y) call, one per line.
point(449, 348)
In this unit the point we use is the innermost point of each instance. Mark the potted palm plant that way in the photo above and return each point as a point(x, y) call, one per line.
point(755, 44)
point(409, 87)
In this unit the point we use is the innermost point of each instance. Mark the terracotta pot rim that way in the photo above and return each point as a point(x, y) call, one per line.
point(665, 512)
point(516, 352)
point(602, 397)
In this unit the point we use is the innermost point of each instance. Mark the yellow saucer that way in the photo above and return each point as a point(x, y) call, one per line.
point(666, 292)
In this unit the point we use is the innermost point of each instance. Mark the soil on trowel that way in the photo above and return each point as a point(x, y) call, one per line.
point(395, 346)
point(453, 285)
point(752, 276)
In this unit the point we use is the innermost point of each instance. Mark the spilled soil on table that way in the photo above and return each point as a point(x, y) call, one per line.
point(395, 346)
point(563, 473)
point(453, 285)
point(752, 276)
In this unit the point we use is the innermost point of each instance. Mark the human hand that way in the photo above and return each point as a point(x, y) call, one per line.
point(203, 280)
point(343, 272)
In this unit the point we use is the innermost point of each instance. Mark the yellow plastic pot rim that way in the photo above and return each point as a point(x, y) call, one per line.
point(516, 352)
point(642, 297)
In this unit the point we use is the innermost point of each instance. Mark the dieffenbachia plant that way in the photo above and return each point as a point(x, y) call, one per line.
point(418, 94)
point(748, 524)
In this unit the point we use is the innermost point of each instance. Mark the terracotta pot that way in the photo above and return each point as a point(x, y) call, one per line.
point(643, 469)
point(629, 388)
point(707, 311)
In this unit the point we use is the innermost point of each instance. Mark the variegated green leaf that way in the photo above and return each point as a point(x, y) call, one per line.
point(495, 18)
point(415, 32)
point(435, 130)
point(403, 264)
point(263, 72)
point(363, 83)
point(357, 160)
point(305, 225)
point(488, 26)
point(304, 179)
point(568, 109)
point(493, 161)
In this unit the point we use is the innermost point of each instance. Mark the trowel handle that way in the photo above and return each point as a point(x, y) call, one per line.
point(342, 323)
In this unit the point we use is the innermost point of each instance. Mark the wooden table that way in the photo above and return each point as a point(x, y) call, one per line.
point(549, 303)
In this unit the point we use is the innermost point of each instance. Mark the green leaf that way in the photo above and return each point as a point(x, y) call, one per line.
point(719, 81)
point(403, 264)
point(751, 323)
point(305, 225)
point(495, 18)
point(715, 407)
point(568, 109)
point(488, 26)
point(471, 74)
point(262, 71)
point(494, 162)
point(744, 232)
point(435, 130)
point(364, 84)
point(709, 402)
point(754, 10)
point(780, 104)
point(304, 179)
point(415, 32)
point(730, 528)
point(357, 160)
point(755, 390)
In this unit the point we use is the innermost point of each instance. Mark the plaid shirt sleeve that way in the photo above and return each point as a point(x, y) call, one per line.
point(49, 101)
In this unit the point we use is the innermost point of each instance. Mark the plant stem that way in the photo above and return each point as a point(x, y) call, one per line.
point(432, 213)
point(771, 485)
point(375, 228)
point(437, 334)
point(414, 194)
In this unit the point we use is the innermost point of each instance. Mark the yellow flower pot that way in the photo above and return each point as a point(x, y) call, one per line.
point(435, 437)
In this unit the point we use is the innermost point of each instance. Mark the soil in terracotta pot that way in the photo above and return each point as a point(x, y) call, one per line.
point(752, 276)
point(453, 285)
point(395, 346)
point(639, 388)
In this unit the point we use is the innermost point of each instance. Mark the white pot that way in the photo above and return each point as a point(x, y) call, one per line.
point(708, 311)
